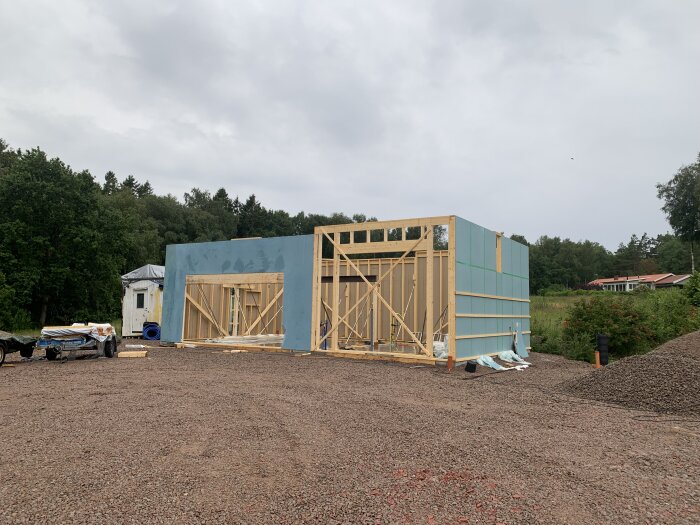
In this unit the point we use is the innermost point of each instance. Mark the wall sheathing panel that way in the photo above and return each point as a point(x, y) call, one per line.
point(476, 275)
point(292, 256)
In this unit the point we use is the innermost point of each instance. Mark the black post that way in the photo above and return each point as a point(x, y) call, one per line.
point(601, 342)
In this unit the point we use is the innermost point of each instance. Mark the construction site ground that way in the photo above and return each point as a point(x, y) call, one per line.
point(200, 436)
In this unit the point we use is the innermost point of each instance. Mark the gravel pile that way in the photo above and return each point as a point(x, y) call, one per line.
point(685, 346)
point(666, 380)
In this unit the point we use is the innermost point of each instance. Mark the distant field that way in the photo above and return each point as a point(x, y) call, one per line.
point(548, 313)
point(547, 322)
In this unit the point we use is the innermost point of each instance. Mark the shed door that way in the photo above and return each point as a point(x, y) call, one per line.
point(141, 308)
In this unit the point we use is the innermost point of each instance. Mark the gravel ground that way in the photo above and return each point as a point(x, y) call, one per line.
point(199, 436)
point(666, 380)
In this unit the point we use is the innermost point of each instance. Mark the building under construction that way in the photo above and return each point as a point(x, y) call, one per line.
point(433, 290)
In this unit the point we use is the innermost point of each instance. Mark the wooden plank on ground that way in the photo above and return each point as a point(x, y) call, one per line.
point(133, 353)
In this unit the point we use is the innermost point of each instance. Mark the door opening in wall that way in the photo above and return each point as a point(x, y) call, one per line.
point(236, 309)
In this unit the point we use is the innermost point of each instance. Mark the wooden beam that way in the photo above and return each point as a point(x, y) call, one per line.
point(267, 309)
point(487, 296)
point(499, 252)
point(133, 353)
point(343, 321)
point(235, 278)
point(253, 348)
point(480, 336)
point(429, 288)
point(451, 289)
point(396, 357)
point(233, 307)
point(378, 225)
point(335, 297)
point(489, 316)
point(383, 247)
point(199, 307)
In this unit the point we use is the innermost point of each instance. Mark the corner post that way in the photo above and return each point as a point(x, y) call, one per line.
point(429, 288)
point(451, 294)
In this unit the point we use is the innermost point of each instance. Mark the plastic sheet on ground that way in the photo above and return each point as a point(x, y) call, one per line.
point(440, 349)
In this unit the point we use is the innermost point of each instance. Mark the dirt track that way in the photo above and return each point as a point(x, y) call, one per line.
point(193, 436)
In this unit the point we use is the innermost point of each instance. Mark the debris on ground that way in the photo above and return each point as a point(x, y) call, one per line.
point(666, 380)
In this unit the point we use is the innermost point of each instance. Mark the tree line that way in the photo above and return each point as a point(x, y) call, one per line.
point(65, 238)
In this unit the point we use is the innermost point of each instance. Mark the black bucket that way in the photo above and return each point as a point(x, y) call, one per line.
point(471, 367)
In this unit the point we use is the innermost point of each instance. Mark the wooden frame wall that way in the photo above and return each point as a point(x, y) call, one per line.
point(210, 311)
point(404, 289)
point(327, 299)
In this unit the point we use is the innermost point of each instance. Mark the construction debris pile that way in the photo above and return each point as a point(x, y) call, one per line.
point(666, 380)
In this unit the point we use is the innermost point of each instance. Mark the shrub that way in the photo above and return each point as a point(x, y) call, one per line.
point(621, 317)
point(635, 322)
point(692, 289)
point(670, 313)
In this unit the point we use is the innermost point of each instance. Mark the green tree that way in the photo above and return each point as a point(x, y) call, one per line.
point(60, 242)
point(673, 255)
point(681, 198)
point(692, 289)
point(111, 185)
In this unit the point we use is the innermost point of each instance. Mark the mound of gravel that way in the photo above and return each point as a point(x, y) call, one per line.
point(666, 380)
point(685, 346)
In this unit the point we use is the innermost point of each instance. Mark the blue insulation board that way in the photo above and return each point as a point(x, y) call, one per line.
point(292, 256)
point(475, 271)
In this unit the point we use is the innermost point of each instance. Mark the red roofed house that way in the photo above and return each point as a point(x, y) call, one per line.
point(629, 283)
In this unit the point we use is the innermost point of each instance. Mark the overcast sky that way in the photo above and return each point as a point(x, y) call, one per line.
point(394, 109)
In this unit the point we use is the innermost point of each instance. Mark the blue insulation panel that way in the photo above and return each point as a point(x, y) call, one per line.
point(475, 268)
point(292, 256)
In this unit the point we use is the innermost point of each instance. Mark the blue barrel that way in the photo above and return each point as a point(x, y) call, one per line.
point(151, 331)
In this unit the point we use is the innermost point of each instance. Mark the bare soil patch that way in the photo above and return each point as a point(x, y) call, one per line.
point(200, 436)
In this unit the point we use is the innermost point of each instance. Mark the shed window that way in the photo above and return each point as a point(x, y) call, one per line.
point(140, 299)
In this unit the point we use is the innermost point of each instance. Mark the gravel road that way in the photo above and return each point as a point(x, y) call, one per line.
point(200, 436)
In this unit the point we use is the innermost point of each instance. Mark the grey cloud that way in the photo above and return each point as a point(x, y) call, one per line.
point(393, 109)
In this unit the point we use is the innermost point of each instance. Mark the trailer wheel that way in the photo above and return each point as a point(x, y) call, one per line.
point(51, 354)
point(110, 347)
point(2, 353)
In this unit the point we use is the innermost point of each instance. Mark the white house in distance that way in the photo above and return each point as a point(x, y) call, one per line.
point(143, 299)
point(629, 283)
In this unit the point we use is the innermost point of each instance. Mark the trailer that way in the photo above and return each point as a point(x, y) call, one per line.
point(62, 341)
point(15, 343)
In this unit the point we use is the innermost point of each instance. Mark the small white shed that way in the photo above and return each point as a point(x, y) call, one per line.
point(142, 301)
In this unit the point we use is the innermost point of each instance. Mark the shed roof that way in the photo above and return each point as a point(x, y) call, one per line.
point(149, 272)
